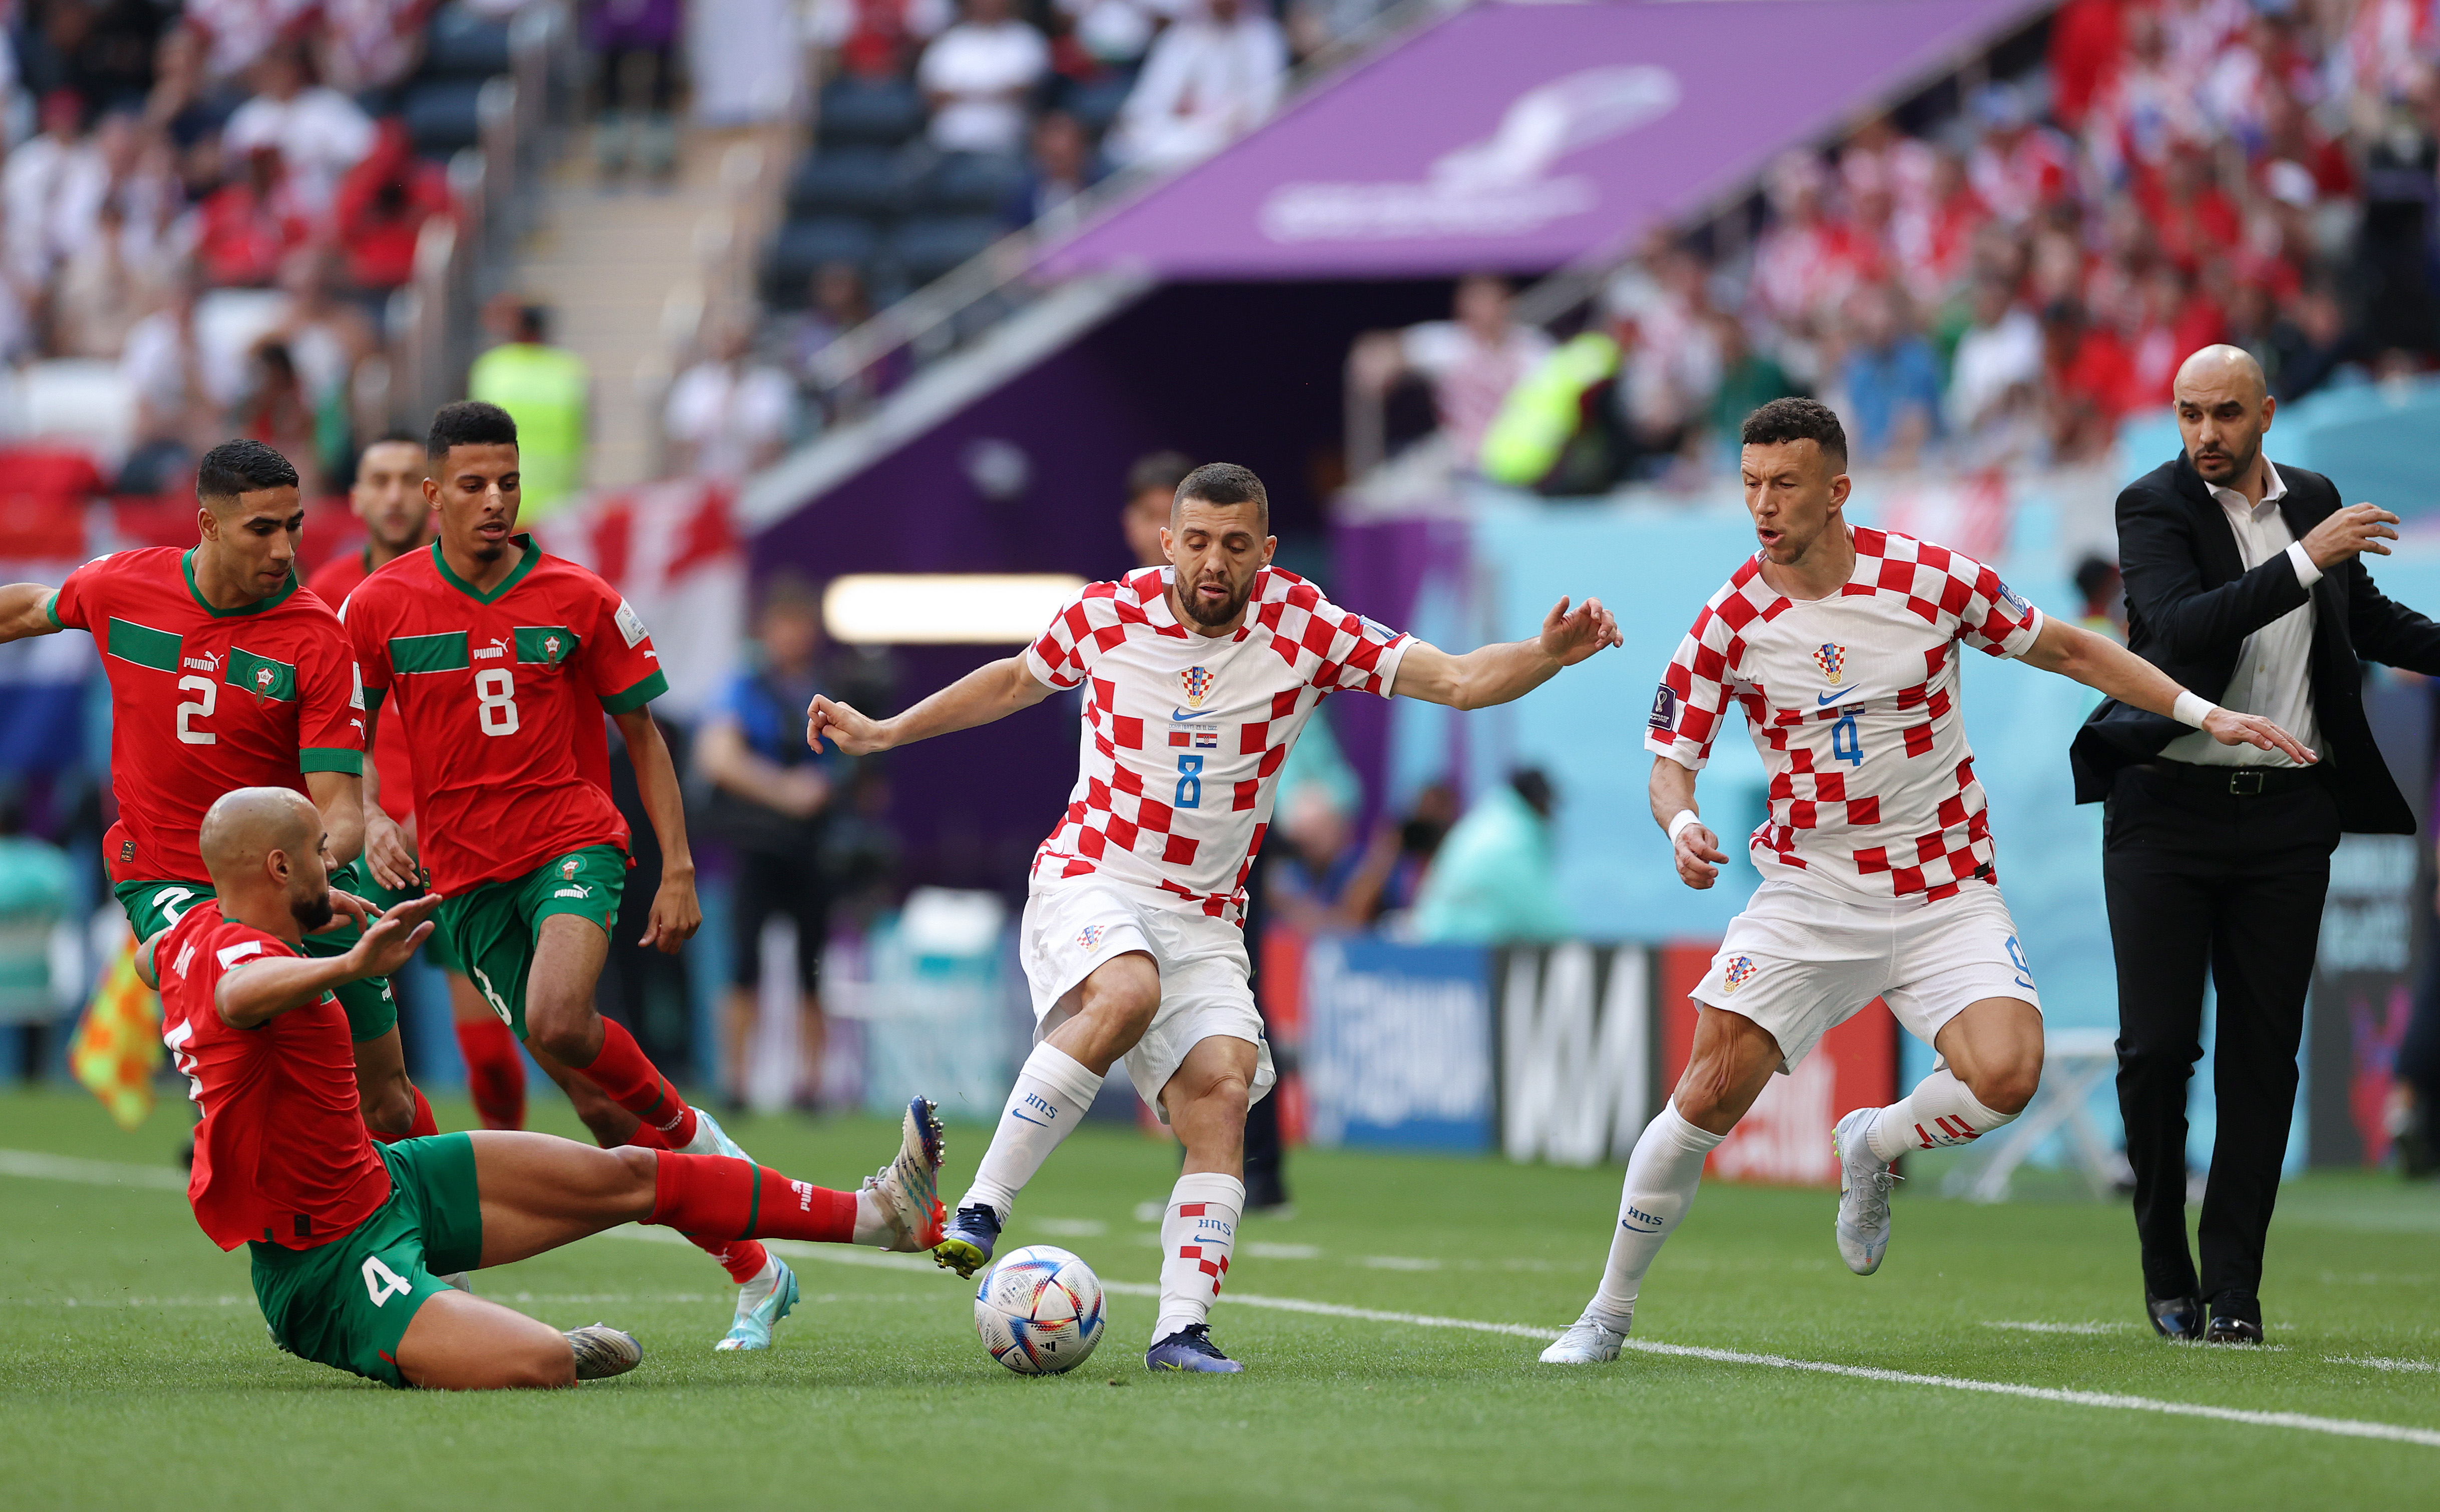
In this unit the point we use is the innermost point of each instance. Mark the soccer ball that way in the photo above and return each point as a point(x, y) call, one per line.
point(1039, 1310)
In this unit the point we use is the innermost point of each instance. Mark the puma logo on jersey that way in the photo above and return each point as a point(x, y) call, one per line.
point(206, 662)
point(499, 649)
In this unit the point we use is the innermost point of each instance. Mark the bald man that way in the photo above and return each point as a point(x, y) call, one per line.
point(346, 1236)
point(2245, 582)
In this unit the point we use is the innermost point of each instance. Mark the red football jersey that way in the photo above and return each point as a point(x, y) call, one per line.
point(332, 584)
point(502, 695)
point(281, 1155)
point(205, 700)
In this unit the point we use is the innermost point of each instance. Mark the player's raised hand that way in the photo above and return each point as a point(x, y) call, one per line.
point(1570, 636)
point(391, 938)
point(677, 914)
point(2229, 727)
point(844, 726)
point(1698, 856)
point(387, 852)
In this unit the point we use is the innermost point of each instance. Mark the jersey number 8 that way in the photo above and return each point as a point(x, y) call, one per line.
point(496, 701)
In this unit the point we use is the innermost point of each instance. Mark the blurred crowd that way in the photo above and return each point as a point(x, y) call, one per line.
point(2005, 284)
point(215, 200)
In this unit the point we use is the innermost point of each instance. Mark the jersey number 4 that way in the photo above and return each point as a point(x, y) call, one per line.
point(496, 701)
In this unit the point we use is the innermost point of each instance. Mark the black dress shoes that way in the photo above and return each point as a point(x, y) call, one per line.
point(2236, 1319)
point(2176, 1317)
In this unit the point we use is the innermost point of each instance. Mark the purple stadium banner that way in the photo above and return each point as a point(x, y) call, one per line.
point(1523, 136)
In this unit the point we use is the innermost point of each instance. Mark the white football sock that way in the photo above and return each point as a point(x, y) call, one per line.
point(1052, 1090)
point(1939, 1112)
point(1661, 1176)
point(1197, 1230)
point(872, 1225)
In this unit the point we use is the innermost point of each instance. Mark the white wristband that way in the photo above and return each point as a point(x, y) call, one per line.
point(1679, 821)
point(2193, 708)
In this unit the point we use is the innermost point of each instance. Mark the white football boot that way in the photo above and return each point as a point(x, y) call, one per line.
point(1864, 1183)
point(1588, 1342)
point(908, 1188)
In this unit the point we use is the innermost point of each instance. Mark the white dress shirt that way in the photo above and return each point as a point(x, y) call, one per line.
point(2273, 676)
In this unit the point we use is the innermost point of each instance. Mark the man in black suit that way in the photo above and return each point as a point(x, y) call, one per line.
point(2243, 583)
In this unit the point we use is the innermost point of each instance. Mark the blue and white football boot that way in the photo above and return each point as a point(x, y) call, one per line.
point(1190, 1349)
point(710, 1139)
point(1864, 1183)
point(966, 1243)
point(761, 1304)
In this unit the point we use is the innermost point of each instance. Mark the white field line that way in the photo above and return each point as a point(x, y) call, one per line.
point(2371, 1362)
point(2058, 1327)
point(15, 1163)
point(90, 1172)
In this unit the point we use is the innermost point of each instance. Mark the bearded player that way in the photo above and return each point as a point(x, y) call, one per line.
point(499, 660)
point(1841, 644)
point(387, 496)
point(1199, 676)
point(224, 674)
point(346, 1236)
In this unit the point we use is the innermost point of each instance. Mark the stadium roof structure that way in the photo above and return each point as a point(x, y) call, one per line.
point(1522, 137)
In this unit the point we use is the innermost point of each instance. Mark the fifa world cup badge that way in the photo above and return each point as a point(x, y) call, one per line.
point(1196, 684)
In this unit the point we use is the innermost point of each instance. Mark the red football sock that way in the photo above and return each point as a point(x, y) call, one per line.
point(743, 1259)
point(495, 1072)
point(629, 1079)
point(417, 1127)
point(714, 1195)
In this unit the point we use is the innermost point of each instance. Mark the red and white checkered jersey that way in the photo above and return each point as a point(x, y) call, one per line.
point(1852, 701)
point(1184, 734)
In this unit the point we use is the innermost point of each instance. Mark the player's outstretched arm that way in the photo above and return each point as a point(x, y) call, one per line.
point(2102, 664)
point(1496, 674)
point(25, 610)
point(1694, 848)
point(992, 691)
point(676, 911)
point(261, 990)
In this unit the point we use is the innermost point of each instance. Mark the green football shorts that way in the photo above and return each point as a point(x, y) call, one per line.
point(152, 907)
point(348, 1303)
point(435, 945)
point(494, 928)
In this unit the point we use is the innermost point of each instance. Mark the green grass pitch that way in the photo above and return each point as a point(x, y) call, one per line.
point(135, 1371)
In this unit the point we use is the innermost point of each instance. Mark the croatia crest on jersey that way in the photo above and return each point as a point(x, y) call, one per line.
point(1832, 662)
point(1737, 973)
point(1091, 938)
point(1196, 684)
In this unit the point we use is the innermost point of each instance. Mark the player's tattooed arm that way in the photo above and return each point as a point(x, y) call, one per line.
point(2102, 664)
point(25, 610)
point(676, 911)
point(992, 691)
point(261, 989)
point(1499, 674)
point(1695, 850)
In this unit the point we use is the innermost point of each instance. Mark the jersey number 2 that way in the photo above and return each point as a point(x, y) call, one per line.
point(496, 701)
point(199, 707)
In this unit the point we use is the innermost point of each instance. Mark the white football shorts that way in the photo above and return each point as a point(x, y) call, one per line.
point(1799, 961)
point(1072, 925)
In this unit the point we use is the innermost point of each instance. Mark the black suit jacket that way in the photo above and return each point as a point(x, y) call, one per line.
point(2190, 605)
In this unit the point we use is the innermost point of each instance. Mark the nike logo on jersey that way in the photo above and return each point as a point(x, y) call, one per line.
point(1832, 698)
point(1176, 713)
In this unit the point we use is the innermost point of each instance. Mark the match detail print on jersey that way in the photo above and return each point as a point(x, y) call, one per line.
point(1852, 702)
point(1183, 734)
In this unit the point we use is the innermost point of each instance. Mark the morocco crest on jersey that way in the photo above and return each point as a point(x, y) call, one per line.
point(1832, 662)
